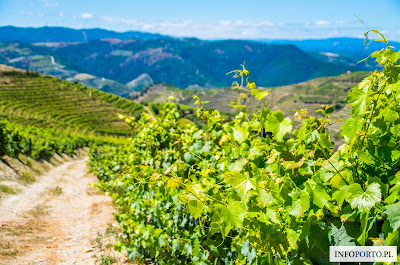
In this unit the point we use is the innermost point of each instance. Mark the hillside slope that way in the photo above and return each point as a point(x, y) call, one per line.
point(308, 95)
point(31, 99)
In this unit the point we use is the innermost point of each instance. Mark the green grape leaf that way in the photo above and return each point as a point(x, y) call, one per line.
point(395, 155)
point(340, 195)
point(393, 213)
point(391, 55)
point(240, 133)
point(278, 125)
point(359, 100)
point(237, 165)
point(273, 216)
point(365, 157)
point(247, 253)
point(239, 181)
point(188, 157)
point(340, 236)
point(161, 241)
point(320, 196)
point(231, 216)
point(349, 129)
point(325, 142)
point(245, 248)
point(300, 202)
point(364, 201)
point(195, 207)
point(259, 94)
point(293, 238)
point(264, 114)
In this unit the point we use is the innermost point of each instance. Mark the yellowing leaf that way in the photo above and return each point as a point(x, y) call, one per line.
point(174, 183)
point(223, 139)
point(376, 241)
point(336, 180)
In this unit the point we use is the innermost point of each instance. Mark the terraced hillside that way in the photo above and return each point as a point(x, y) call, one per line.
point(307, 95)
point(43, 101)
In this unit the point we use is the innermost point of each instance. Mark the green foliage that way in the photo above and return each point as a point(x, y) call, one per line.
point(224, 195)
point(40, 144)
point(3, 139)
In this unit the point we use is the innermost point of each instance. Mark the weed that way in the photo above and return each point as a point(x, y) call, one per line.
point(38, 211)
point(27, 177)
point(93, 189)
point(5, 246)
point(56, 191)
point(104, 245)
point(105, 260)
point(7, 189)
point(9, 253)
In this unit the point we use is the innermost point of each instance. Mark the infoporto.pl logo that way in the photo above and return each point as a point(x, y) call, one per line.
point(363, 254)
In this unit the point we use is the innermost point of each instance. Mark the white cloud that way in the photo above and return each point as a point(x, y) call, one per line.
point(322, 23)
point(188, 28)
point(86, 15)
point(239, 29)
point(49, 3)
point(61, 14)
point(28, 14)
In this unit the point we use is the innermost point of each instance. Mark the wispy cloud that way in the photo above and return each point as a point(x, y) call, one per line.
point(86, 15)
point(49, 3)
point(322, 23)
point(186, 28)
point(240, 29)
point(25, 13)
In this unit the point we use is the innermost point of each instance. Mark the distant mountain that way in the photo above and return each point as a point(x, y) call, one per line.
point(61, 34)
point(141, 82)
point(191, 61)
point(110, 59)
point(181, 63)
point(338, 50)
point(345, 46)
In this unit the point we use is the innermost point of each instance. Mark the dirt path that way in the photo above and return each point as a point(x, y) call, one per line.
point(151, 113)
point(56, 220)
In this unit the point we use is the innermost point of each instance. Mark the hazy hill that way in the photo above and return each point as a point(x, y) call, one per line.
point(344, 46)
point(61, 34)
point(39, 58)
point(308, 95)
point(339, 50)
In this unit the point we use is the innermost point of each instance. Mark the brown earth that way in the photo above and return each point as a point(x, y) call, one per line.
point(59, 219)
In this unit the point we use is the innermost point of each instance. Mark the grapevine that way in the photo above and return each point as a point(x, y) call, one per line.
point(225, 195)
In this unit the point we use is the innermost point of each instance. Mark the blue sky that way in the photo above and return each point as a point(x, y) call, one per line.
point(212, 19)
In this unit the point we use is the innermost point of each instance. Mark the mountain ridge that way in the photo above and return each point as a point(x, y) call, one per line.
point(184, 62)
point(64, 34)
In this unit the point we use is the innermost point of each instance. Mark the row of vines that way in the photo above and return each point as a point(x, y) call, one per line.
point(43, 143)
point(37, 143)
point(256, 190)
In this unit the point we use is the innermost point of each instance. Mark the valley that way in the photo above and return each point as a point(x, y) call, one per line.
point(139, 148)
